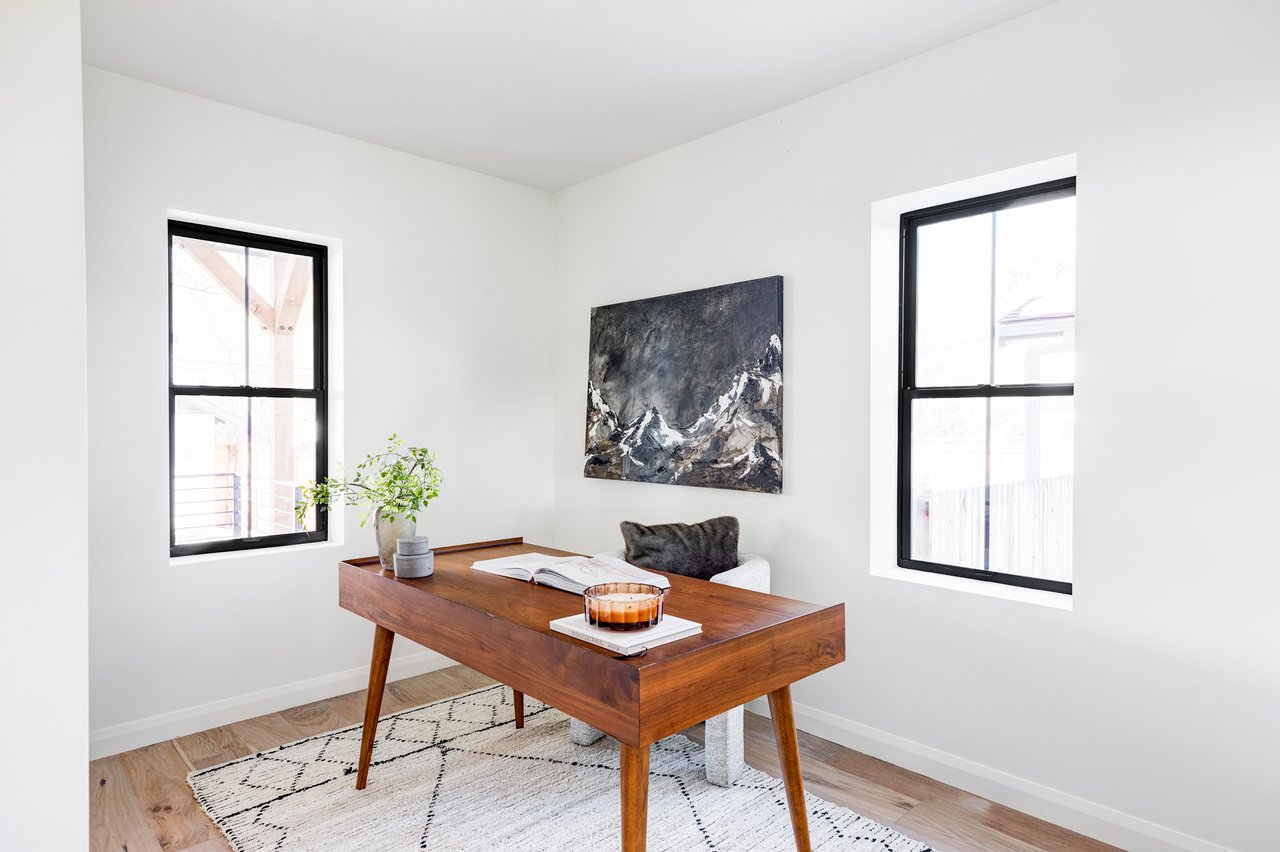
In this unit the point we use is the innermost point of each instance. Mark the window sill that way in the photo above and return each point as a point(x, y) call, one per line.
point(1018, 594)
point(200, 558)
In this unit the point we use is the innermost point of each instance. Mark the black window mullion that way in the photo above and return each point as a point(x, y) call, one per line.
point(173, 450)
point(247, 390)
point(172, 399)
point(992, 391)
point(907, 380)
point(991, 378)
point(986, 487)
point(1020, 580)
point(248, 406)
point(320, 370)
point(993, 203)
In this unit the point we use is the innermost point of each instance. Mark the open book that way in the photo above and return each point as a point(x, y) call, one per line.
point(569, 573)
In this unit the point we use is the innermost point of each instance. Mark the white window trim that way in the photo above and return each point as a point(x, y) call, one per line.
point(883, 342)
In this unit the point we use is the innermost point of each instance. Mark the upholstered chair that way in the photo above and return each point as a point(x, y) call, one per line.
point(724, 743)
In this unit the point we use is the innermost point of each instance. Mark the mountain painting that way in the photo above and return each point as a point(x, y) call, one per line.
point(686, 389)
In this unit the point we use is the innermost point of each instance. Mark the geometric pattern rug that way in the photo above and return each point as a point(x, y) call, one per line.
point(456, 776)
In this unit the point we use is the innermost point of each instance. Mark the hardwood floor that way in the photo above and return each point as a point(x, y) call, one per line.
point(139, 801)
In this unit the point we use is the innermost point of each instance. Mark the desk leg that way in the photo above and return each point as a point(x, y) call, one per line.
point(517, 698)
point(635, 796)
point(382, 638)
point(784, 731)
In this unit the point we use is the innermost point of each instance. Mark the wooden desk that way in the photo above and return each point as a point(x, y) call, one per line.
point(751, 644)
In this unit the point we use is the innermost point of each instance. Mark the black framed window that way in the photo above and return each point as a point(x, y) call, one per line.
point(986, 407)
point(247, 398)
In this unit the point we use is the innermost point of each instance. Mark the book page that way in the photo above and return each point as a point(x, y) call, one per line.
point(598, 569)
point(520, 567)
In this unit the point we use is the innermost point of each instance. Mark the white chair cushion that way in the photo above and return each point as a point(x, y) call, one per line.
point(752, 572)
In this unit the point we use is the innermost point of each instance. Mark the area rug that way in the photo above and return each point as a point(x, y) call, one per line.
point(457, 775)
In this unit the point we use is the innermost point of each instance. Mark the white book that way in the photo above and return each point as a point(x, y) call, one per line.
point(570, 573)
point(627, 642)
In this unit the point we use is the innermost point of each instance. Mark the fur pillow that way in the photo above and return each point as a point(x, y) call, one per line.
point(694, 550)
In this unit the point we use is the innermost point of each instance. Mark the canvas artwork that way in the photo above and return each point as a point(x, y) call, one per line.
point(686, 389)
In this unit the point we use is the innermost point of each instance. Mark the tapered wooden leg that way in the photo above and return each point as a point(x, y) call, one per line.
point(784, 731)
point(517, 698)
point(635, 797)
point(382, 639)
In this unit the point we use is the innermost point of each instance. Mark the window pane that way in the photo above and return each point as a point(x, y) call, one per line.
point(1032, 441)
point(1036, 292)
point(948, 476)
point(953, 302)
point(227, 486)
point(280, 345)
point(211, 462)
point(284, 456)
point(208, 313)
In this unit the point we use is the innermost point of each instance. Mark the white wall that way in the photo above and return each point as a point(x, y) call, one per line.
point(445, 308)
point(43, 621)
point(1148, 714)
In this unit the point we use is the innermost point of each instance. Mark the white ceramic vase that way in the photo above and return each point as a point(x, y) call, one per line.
point(386, 532)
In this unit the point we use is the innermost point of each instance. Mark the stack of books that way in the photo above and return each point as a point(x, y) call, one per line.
point(629, 642)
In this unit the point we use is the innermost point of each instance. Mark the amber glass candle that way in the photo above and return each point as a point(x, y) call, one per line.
point(623, 606)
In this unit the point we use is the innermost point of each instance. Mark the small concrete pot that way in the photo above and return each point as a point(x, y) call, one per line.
point(413, 567)
point(414, 545)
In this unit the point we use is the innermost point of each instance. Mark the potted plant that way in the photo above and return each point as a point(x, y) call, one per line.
point(393, 485)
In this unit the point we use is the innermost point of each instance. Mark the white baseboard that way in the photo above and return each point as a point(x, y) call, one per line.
point(1081, 815)
point(189, 720)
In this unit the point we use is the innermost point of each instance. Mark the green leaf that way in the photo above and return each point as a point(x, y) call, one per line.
point(398, 481)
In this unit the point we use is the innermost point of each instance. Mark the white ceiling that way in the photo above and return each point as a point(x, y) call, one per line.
point(542, 92)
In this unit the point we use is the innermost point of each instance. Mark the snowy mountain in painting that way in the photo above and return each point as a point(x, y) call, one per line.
point(735, 443)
